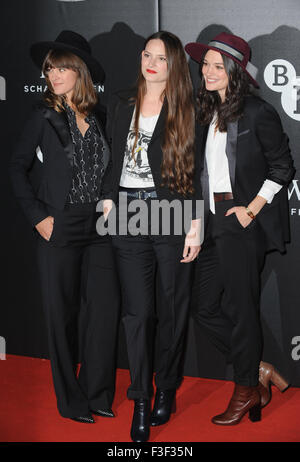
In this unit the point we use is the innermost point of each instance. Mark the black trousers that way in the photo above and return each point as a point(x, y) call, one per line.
point(226, 290)
point(79, 280)
point(137, 259)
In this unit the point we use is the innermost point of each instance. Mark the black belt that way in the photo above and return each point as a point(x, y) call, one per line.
point(139, 193)
point(223, 196)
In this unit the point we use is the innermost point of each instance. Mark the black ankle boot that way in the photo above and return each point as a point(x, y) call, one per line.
point(140, 422)
point(164, 404)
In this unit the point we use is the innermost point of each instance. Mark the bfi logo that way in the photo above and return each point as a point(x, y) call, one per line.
point(280, 76)
point(2, 88)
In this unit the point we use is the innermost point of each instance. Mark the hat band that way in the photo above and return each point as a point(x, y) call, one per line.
point(227, 48)
point(250, 68)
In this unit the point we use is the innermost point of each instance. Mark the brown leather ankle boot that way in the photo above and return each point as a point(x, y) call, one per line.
point(244, 399)
point(268, 374)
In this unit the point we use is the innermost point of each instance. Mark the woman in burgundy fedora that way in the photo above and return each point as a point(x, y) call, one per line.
point(57, 169)
point(246, 168)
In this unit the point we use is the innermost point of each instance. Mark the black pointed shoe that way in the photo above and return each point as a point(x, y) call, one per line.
point(140, 428)
point(83, 419)
point(164, 405)
point(103, 412)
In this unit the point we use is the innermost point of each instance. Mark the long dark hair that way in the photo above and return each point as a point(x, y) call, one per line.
point(84, 96)
point(177, 167)
point(209, 102)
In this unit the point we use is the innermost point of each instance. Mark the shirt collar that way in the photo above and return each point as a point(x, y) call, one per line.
point(71, 113)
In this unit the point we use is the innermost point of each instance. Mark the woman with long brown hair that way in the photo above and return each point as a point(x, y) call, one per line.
point(152, 142)
point(57, 169)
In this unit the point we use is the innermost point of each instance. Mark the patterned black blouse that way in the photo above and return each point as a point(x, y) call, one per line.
point(87, 161)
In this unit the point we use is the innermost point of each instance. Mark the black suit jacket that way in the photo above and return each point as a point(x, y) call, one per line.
point(257, 149)
point(119, 115)
point(37, 183)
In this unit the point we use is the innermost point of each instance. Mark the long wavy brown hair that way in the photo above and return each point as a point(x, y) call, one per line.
point(84, 96)
point(209, 102)
point(177, 167)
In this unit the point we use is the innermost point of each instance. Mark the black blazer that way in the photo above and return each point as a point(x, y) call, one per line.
point(119, 115)
point(257, 149)
point(37, 183)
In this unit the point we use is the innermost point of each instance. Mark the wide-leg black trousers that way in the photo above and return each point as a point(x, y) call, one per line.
point(226, 290)
point(78, 273)
point(137, 259)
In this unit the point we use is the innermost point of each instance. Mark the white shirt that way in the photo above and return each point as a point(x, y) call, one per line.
point(218, 169)
point(136, 172)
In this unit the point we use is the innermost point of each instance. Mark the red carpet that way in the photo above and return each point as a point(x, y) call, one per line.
point(28, 411)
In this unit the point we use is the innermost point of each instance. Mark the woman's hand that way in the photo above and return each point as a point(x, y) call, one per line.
point(241, 215)
point(255, 206)
point(45, 227)
point(107, 206)
point(192, 242)
point(190, 253)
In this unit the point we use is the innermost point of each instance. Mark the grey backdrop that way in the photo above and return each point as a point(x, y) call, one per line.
point(116, 30)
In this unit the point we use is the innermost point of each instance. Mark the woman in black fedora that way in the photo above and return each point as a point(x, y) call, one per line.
point(246, 168)
point(57, 169)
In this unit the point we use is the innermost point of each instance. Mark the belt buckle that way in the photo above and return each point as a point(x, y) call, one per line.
point(140, 193)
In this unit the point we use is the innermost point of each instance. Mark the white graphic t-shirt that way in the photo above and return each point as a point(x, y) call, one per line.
point(136, 171)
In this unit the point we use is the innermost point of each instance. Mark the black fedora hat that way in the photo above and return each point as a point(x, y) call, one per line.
point(74, 43)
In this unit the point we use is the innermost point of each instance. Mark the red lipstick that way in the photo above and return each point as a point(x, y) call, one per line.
point(151, 71)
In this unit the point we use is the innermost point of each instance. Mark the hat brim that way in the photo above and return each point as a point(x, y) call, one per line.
point(197, 50)
point(38, 53)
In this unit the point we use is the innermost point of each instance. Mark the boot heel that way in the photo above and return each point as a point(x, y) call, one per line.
point(255, 413)
point(279, 381)
point(164, 406)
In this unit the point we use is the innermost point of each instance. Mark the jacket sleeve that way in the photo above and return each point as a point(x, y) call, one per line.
point(108, 175)
point(21, 162)
point(106, 190)
point(275, 145)
point(197, 205)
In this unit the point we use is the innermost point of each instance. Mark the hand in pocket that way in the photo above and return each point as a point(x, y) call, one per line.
point(45, 227)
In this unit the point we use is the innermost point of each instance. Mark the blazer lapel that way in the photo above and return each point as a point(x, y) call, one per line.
point(204, 173)
point(59, 122)
point(232, 130)
point(160, 125)
point(154, 152)
point(124, 117)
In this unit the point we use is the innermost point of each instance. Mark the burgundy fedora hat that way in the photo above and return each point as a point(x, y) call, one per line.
point(74, 43)
point(229, 45)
